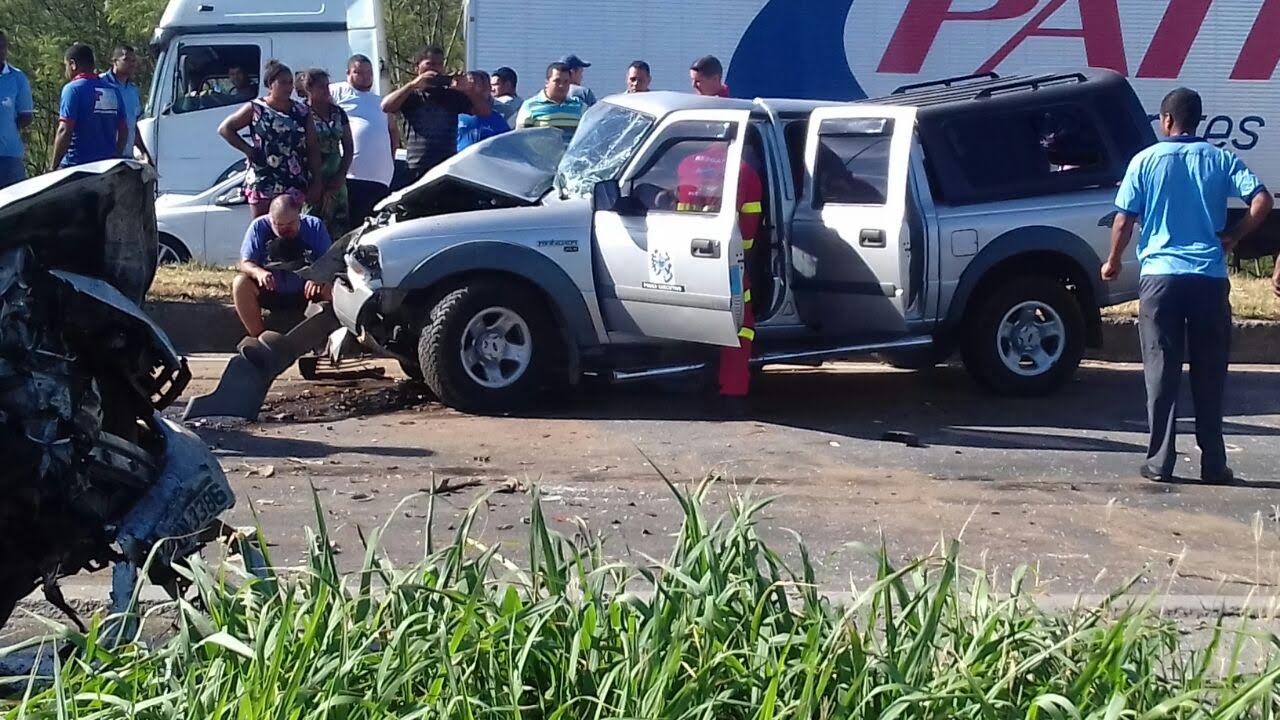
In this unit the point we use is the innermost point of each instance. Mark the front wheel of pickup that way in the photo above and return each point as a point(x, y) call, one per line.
point(1025, 337)
point(488, 347)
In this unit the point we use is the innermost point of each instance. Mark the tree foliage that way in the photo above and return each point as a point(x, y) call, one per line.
point(40, 31)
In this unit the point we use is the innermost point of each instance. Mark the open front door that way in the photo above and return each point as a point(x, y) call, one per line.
point(852, 242)
point(669, 252)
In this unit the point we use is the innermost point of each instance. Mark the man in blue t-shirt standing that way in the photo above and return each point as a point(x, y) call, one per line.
point(91, 118)
point(16, 111)
point(124, 68)
point(276, 246)
point(1176, 191)
point(484, 121)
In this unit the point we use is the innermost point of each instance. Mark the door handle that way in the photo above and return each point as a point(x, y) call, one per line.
point(705, 248)
point(871, 238)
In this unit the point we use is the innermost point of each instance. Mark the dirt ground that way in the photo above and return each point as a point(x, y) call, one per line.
point(851, 455)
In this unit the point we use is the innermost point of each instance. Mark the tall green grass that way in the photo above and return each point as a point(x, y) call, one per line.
point(722, 628)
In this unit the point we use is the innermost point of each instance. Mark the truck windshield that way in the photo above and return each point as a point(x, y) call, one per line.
point(603, 144)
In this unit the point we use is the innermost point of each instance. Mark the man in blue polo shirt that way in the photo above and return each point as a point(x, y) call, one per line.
point(124, 68)
point(1176, 191)
point(16, 111)
point(91, 116)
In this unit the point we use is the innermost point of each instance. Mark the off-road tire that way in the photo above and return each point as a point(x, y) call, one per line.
point(440, 342)
point(982, 324)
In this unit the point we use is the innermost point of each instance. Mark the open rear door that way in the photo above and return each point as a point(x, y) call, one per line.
point(851, 228)
point(669, 252)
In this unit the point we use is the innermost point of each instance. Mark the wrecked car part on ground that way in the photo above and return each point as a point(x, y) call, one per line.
point(92, 476)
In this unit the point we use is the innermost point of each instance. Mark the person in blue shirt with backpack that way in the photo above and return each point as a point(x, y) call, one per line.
point(92, 124)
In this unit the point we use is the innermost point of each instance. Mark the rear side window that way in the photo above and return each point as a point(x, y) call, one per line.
point(852, 166)
point(1038, 150)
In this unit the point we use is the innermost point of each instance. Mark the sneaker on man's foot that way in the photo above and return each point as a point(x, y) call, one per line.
point(1222, 477)
point(1154, 475)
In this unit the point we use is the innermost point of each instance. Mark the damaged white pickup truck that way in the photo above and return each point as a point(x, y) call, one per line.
point(969, 213)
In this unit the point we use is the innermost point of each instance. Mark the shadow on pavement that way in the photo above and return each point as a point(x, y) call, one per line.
point(1238, 483)
point(252, 445)
point(941, 407)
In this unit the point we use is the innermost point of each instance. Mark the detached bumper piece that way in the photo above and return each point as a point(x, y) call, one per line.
point(249, 375)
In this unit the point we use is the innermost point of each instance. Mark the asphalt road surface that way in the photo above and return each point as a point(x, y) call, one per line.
point(1050, 482)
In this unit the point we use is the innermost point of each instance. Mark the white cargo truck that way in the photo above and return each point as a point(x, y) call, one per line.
point(842, 50)
point(209, 55)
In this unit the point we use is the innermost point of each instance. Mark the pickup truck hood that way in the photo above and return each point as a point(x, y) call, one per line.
point(404, 246)
point(97, 220)
point(514, 168)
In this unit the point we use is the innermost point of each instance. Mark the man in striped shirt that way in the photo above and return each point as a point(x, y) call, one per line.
point(553, 107)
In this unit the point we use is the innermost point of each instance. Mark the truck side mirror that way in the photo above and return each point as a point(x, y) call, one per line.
point(607, 195)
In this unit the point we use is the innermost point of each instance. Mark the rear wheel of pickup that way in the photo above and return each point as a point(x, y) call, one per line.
point(488, 347)
point(1024, 337)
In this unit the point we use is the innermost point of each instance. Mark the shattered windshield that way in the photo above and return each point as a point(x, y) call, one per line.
point(605, 141)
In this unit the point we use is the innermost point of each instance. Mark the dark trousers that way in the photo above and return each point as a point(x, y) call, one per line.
point(362, 195)
point(1185, 315)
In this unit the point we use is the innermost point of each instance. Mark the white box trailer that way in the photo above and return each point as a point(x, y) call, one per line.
point(200, 46)
point(1227, 50)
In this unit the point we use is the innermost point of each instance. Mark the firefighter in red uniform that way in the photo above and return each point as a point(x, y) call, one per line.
point(700, 179)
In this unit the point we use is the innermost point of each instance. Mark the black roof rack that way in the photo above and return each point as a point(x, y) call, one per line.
point(935, 96)
point(1034, 83)
point(945, 82)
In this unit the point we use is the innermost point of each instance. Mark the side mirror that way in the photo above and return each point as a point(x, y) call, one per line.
point(232, 197)
point(607, 195)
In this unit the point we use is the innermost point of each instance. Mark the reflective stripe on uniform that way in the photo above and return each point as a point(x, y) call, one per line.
point(747, 333)
point(746, 296)
point(751, 208)
point(748, 243)
point(684, 207)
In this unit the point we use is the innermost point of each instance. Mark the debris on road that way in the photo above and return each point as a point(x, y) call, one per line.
point(909, 439)
point(265, 471)
point(451, 485)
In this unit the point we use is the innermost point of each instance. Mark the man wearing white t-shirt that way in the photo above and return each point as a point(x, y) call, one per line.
point(375, 137)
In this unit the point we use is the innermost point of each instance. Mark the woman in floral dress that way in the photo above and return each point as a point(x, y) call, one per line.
point(284, 156)
point(332, 130)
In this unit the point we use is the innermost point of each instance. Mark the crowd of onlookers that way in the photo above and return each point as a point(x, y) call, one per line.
point(329, 146)
point(333, 150)
point(319, 154)
point(97, 114)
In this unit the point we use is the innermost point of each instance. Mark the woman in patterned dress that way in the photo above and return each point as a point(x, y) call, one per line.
point(332, 130)
point(284, 156)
